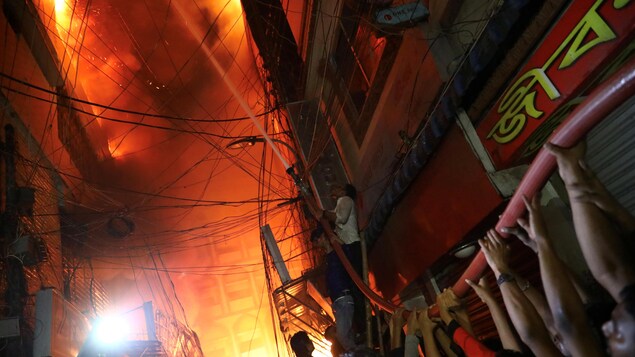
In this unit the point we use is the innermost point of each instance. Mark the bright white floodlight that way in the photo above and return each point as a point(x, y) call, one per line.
point(111, 330)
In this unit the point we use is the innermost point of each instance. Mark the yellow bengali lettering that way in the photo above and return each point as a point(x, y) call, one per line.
point(519, 101)
point(592, 21)
point(618, 4)
point(535, 141)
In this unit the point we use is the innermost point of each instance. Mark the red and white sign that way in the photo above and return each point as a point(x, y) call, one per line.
point(402, 15)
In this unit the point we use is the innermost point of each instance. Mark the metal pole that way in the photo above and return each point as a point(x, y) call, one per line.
point(16, 282)
point(380, 336)
point(151, 328)
point(367, 317)
point(276, 256)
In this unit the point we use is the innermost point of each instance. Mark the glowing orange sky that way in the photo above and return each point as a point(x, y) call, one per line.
point(119, 62)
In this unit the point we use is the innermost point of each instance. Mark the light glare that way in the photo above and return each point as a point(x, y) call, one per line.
point(111, 330)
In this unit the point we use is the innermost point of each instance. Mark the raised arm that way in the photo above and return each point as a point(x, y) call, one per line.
point(446, 343)
point(427, 331)
point(411, 344)
point(536, 297)
point(446, 301)
point(507, 336)
point(399, 348)
point(602, 246)
point(592, 191)
point(524, 316)
point(457, 310)
point(564, 302)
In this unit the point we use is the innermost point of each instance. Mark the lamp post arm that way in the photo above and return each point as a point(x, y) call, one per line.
point(248, 110)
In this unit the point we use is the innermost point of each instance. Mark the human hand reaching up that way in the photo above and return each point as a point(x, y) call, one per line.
point(447, 302)
point(482, 290)
point(522, 235)
point(496, 252)
point(425, 322)
point(569, 160)
point(534, 225)
point(584, 186)
point(412, 323)
point(396, 320)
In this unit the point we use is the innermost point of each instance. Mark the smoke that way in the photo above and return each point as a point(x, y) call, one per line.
point(161, 68)
point(142, 56)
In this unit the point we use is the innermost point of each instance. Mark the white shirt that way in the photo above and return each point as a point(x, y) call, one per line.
point(346, 220)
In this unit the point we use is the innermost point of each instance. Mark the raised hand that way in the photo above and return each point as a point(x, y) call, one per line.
point(534, 225)
point(413, 323)
point(569, 161)
point(397, 320)
point(481, 289)
point(522, 235)
point(425, 323)
point(447, 302)
point(496, 251)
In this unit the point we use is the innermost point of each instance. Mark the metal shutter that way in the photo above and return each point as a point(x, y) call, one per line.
point(611, 153)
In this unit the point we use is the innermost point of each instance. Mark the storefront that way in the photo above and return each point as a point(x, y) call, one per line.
point(455, 196)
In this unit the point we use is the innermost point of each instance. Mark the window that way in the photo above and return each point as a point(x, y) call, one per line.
point(361, 63)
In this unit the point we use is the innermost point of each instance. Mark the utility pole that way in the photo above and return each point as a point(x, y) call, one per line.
point(15, 278)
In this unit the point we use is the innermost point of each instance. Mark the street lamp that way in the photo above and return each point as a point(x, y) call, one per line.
point(248, 141)
point(244, 142)
point(111, 330)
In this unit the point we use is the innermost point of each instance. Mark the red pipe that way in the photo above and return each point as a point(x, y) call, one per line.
point(599, 104)
point(371, 295)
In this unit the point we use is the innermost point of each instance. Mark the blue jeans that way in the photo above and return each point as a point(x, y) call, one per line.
point(343, 310)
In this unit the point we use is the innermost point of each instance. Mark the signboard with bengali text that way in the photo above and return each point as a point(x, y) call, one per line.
point(591, 37)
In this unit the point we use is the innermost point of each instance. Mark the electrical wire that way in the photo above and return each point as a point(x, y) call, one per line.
point(127, 111)
point(209, 234)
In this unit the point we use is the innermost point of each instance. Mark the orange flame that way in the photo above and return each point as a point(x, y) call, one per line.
point(115, 148)
point(62, 17)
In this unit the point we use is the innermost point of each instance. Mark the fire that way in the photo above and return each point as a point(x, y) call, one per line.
point(59, 6)
point(62, 18)
point(115, 148)
point(234, 9)
point(320, 352)
point(69, 27)
point(230, 11)
point(126, 148)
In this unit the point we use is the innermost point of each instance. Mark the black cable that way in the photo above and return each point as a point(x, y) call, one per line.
point(125, 121)
point(127, 111)
point(211, 202)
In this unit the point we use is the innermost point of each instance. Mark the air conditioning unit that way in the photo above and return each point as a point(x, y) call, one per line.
point(317, 148)
point(29, 249)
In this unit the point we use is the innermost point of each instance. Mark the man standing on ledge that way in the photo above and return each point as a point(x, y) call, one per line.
point(338, 285)
point(344, 217)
